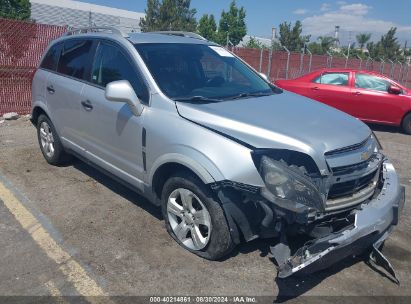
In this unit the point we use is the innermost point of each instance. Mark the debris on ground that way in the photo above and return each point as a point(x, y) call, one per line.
point(26, 117)
point(10, 116)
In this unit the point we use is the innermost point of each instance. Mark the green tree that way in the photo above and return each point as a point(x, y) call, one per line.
point(253, 43)
point(152, 18)
point(232, 25)
point(290, 36)
point(169, 15)
point(362, 39)
point(387, 48)
point(322, 45)
point(372, 49)
point(207, 27)
point(15, 9)
point(315, 48)
point(326, 42)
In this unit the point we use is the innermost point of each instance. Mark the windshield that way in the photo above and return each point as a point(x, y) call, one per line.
point(199, 72)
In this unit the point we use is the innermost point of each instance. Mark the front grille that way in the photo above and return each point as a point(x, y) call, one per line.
point(343, 170)
point(350, 187)
point(348, 149)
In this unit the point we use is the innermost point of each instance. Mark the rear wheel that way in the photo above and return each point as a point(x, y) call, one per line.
point(50, 144)
point(194, 219)
point(406, 123)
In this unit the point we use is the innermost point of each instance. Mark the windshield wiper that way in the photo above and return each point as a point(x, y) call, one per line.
point(197, 99)
point(244, 95)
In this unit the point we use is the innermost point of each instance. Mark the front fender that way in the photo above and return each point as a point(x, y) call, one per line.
point(194, 160)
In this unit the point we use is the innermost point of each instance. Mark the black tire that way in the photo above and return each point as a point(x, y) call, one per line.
point(220, 243)
point(406, 123)
point(59, 157)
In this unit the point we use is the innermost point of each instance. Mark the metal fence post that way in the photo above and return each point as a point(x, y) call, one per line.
point(366, 63)
point(382, 65)
point(261, 59)
point(406, 74)
point(329, 60)
point(311, 60)
point(392, 68)
point(270, 57)
point(360, 61)
point(346, 60)
point(301, 62)
point(288, 61)
point(400, 72)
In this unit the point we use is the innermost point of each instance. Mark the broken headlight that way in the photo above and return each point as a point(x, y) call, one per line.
point(287, 185)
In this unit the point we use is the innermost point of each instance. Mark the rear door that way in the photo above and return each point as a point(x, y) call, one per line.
point(64, 89)
point(114, 135)
point(374, 103)
point(332, 88)
point(42, 83)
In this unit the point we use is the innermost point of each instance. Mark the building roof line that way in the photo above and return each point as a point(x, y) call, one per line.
point(91, 7)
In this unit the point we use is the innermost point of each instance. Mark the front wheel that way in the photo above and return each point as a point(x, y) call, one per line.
point(194, 219)
point(406, 123)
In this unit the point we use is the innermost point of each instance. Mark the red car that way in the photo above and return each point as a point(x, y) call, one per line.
point(366, 95)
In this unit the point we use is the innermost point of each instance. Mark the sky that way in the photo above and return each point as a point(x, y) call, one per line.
point(319, 17)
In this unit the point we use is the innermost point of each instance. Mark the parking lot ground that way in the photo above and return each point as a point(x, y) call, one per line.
point(73, 231)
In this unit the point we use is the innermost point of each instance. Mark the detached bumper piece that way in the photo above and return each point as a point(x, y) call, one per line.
point(377, 258)
point(371, 225)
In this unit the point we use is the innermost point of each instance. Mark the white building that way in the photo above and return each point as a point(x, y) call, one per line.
point(75, 14)
point(266, 42)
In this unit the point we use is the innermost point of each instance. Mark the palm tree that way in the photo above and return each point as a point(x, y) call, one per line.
point(362, 39)
point(326, 42)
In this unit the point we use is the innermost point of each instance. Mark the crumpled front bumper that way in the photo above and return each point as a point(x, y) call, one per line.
point(372, 224)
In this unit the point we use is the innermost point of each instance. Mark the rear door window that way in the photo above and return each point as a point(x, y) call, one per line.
point(111, 64)
point(333, 78)
point(51, 59)
point(76, 58)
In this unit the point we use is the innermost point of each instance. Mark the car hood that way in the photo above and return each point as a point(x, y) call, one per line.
point(281, 121)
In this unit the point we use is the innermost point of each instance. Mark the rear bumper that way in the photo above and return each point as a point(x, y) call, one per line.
point(373, 223)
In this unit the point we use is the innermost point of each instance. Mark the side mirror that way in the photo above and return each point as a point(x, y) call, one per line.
point(394, 90)
point(264, 76)
point(122, 91)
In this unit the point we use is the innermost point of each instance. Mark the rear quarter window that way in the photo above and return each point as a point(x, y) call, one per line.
point(51, 59)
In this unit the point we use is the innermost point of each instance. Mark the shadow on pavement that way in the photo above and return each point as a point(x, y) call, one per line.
point(294, 286)
point(384, 128)
point(118, 188)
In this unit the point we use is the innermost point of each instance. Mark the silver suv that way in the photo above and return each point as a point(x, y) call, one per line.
point(228, 156)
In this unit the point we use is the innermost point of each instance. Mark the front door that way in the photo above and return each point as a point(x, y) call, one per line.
point(113, 133)
point(373, 101)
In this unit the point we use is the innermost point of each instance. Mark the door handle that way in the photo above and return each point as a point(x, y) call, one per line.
point(357, 93)
point(315, 88)
point(87, 105)
point(50, 89)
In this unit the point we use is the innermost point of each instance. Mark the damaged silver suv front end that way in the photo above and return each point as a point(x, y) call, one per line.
point(351, 209)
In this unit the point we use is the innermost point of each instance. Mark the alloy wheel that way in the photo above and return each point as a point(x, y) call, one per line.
point(46, 139)
point(189, 218)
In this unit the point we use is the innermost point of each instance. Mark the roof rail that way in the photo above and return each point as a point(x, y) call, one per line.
point(180, 33)
point(97, 29)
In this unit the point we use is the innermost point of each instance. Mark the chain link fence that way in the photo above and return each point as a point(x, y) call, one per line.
point(23, 43)
point(21, 46)
point(284, 65)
